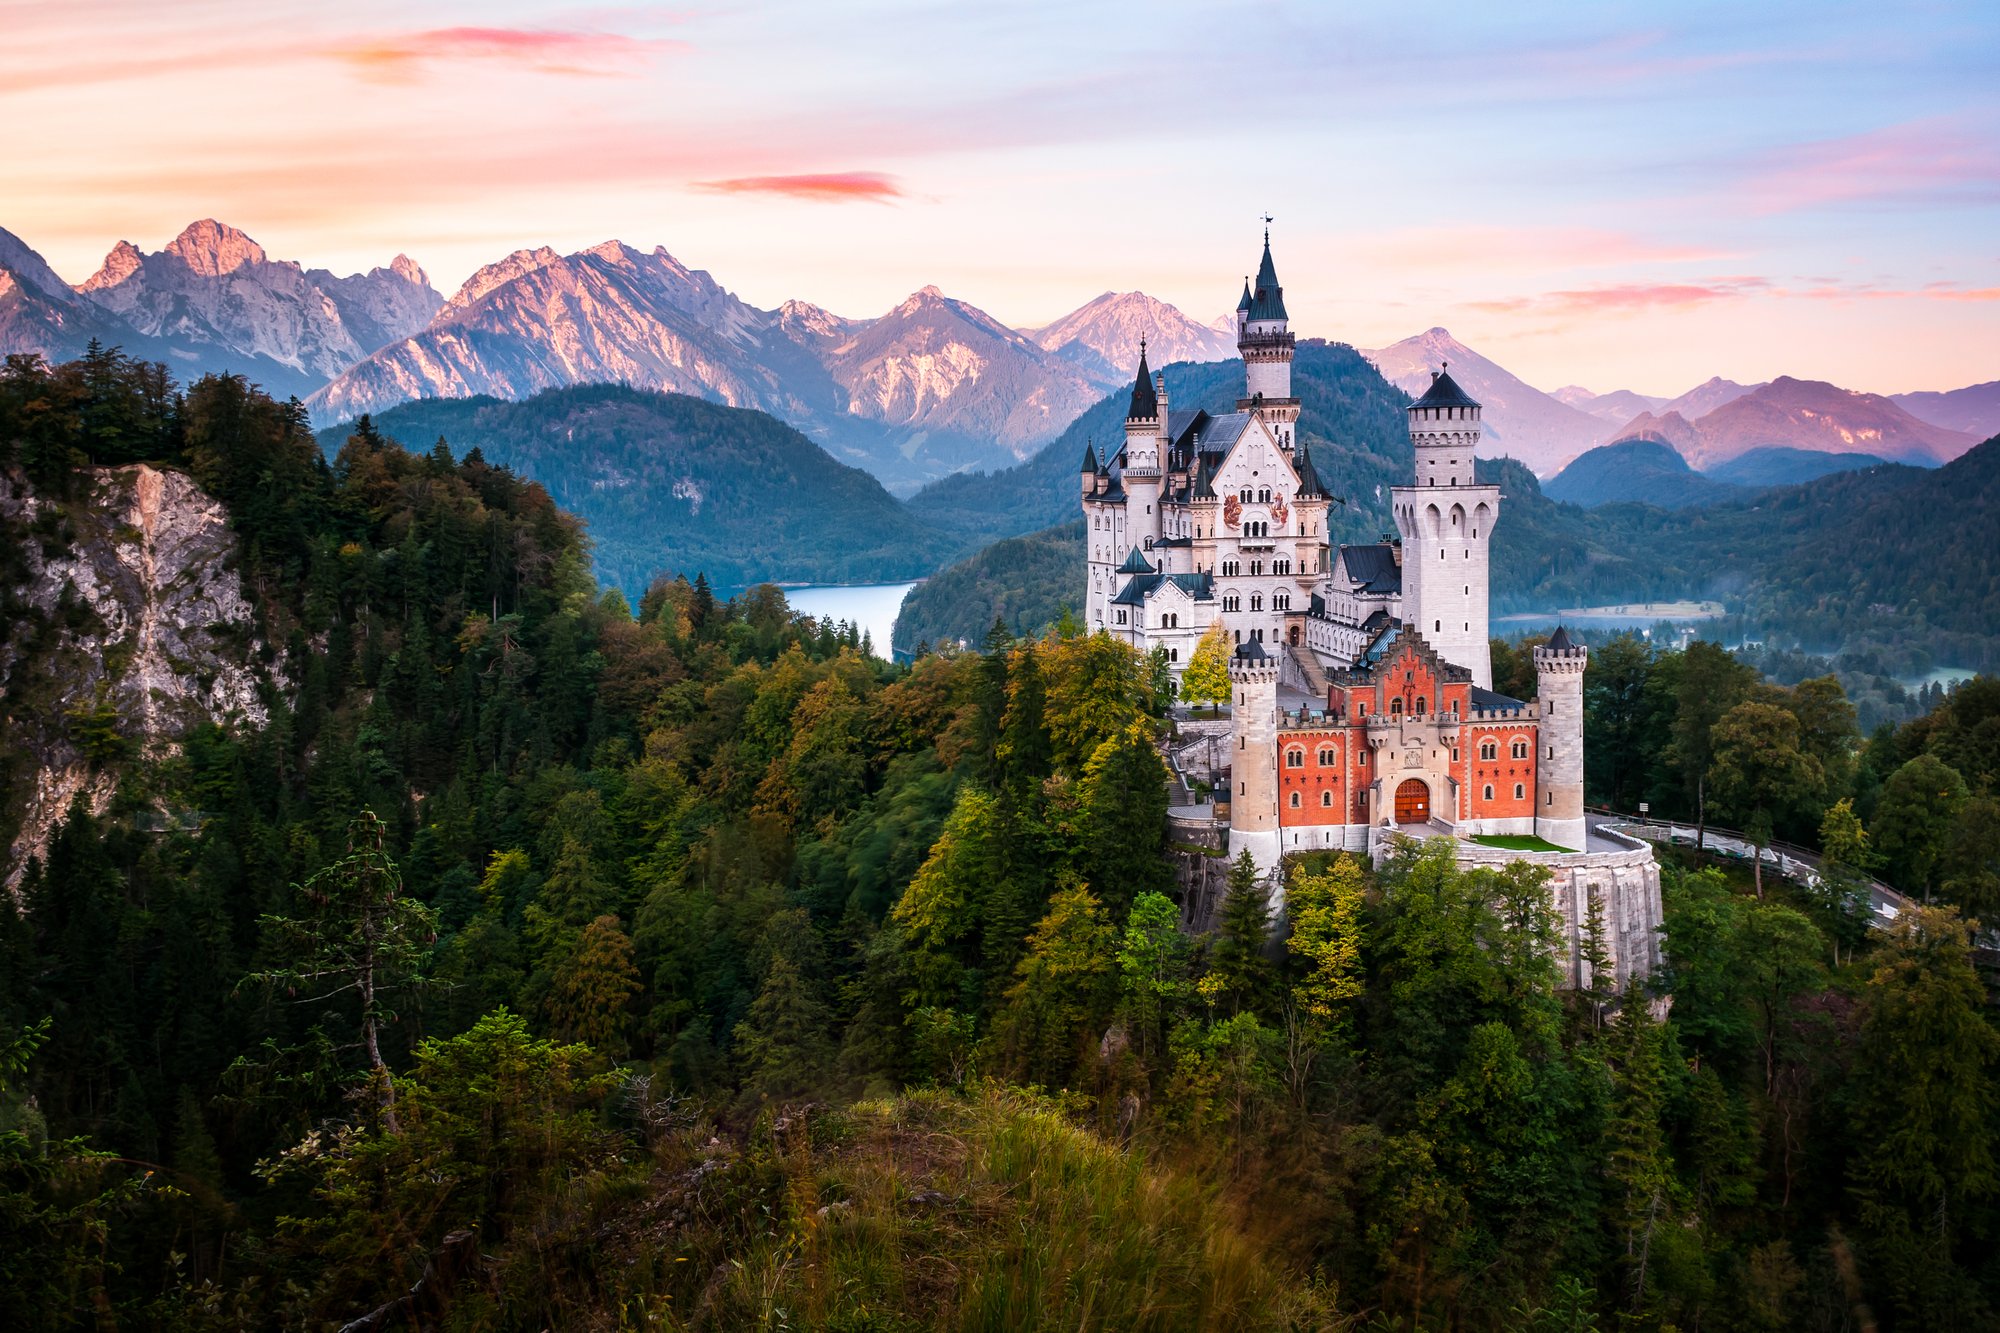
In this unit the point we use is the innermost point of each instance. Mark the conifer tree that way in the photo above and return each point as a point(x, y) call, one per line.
point(593, 989)
point(1638, 1172)
point(785, 1042)
point(356, 934)
point(1238, 961)
point(1153, 958)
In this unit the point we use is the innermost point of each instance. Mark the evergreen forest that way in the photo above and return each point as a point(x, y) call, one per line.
point(552, 958)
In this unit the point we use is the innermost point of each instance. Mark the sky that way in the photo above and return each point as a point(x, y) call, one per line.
point(1615, 195)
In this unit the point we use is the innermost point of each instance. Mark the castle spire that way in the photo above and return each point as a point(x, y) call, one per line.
point(1145, 401)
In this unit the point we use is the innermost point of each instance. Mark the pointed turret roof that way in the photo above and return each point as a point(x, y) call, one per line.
point(1310, 486)
point(1559, 641)
point(1135, 564)
point(1145, 402)
point(1444, 392)
point(1090, 459)
point(1269, 299)
point(1244, 304)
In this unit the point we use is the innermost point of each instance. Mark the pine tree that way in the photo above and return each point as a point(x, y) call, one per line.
point(357, 934)
point(594, 987)
point(785, 1043)
point(1238, 962)
point(1638, 1172)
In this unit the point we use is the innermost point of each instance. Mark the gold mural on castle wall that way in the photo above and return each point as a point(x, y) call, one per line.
point(1232, 512)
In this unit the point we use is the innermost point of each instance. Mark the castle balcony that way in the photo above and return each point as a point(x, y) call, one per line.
point(1261, 542)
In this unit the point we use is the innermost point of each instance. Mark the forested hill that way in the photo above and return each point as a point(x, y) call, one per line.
point(1350, 416)
point(533, 964)
point(671, 484)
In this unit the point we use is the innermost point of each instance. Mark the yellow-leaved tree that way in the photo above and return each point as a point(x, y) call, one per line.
point(1206, 680)
point(1325, 910)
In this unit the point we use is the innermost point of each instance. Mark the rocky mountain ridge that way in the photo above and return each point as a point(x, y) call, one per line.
point(214, 286)
point(1801, 414)
point(1102, 336)
point(1520, 420)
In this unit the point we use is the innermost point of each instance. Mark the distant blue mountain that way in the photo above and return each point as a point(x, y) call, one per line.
point(1638, 471)
point(1779, 465)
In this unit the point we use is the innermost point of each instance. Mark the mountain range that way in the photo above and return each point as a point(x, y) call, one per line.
point(1801, 414)
point(1103, 334)
point(932, 387)
point(213, 300)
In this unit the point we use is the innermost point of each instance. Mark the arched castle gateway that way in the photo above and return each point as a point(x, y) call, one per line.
point(1362, 703)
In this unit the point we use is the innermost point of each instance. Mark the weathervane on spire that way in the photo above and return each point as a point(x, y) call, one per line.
point(1268, 220)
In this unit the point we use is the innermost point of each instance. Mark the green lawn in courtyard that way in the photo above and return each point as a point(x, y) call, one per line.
point(1518, 842)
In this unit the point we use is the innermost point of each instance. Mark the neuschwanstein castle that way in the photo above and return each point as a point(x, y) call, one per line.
point(1361, 676)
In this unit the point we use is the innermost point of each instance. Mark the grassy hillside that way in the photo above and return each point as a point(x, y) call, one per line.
point(673, 484)
point(927, 1211)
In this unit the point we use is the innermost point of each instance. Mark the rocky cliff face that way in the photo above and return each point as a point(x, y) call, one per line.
point(128, 627)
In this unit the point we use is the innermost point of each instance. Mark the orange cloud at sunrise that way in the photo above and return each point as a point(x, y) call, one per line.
point(830, 187)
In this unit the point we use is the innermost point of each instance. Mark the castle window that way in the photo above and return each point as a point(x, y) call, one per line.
point(1326, 799)
point(1519, 791)
point(1420, 707)
point(1487, 792)
point(1256, 601)
point(1552, 752)
point(1295, 800)
point(1551, 800)
point(1295, 757)
point(1326, 756)
point(1395, 708)
point(1520, 749)
point(1173, 654)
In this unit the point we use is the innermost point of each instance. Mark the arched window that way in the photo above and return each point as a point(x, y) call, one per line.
point(1520, 750)
point(1420, 706)
point(1256, 601)
point(1295, 757)
point(1396, 707)
point(1519, 791)
point(1488, 750)
point(1326, 756)
point(1487, 792)
point(1326, 799)
point(1295, 800)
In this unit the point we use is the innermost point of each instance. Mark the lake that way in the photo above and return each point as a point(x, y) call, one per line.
point(872, 606)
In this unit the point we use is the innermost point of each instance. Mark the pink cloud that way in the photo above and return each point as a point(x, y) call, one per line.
point(825, 187)
point(1933, 160)
point(1626, 297)
point(400, 56)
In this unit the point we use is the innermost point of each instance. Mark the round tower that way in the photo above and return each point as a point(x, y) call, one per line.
point(1559, 667)
point(1264, 340)
point(1446, 521)
point(1145, 445)
point(1253, 761)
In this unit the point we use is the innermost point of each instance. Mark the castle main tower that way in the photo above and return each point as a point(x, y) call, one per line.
point(1145, 445)
point(1265, 341)
point(1559, 667)
point(1253, 798)
point(1446, 521)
